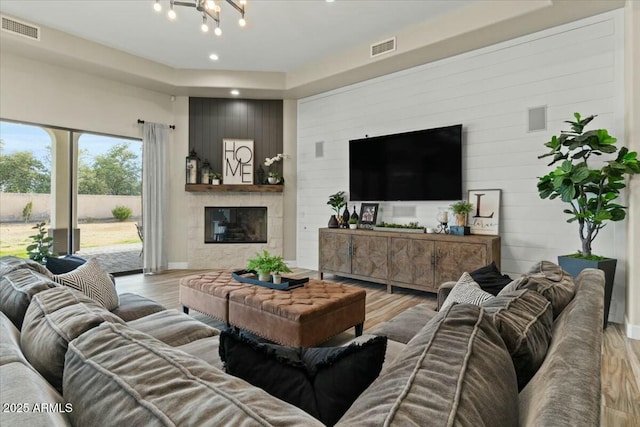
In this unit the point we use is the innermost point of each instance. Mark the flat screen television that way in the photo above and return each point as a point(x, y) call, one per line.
point(412, 166)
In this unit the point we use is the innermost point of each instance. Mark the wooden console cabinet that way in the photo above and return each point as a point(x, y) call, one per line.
point(407, 260)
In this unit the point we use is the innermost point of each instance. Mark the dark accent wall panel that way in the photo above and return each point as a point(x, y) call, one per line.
point(213, 119)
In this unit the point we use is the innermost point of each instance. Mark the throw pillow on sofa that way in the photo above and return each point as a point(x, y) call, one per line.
point(455, 371)
point(525, 320)
point(11, 263)
point(92, 281)
point(64, 264)
point(549, 280)
point(466, 291)
point(490, 278)
point(323, 381)
point(17, 287)
point(55, 317)
point(117, 376)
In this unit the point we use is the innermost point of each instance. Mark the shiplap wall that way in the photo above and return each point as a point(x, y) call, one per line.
point(575, 67)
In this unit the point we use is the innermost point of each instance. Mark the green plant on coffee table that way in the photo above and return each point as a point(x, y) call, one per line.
point(121, 213)
point(590, 191)
point(278, 265)
point(40, 248)
point(265, 263)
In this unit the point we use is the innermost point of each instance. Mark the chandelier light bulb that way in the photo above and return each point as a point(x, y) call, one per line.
point(242, 22)
point(157, 6)
point(218, 31)
point(243, 2)
point(210, 4)
point(171, 14)
point(204, 27)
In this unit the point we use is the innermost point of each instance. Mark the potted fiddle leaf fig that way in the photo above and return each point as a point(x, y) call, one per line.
point(591, 189)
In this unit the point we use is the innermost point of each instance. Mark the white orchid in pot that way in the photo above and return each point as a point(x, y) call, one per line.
point(274, 176)
point(590, 191)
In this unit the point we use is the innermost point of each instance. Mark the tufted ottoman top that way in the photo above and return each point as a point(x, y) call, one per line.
point(218, 283)
point(316, 298)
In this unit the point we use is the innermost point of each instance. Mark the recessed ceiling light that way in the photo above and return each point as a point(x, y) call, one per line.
point(235, 92)
point(213, 57)
point(329, 1)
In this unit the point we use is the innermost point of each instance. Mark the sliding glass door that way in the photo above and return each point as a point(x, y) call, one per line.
point(86, 187)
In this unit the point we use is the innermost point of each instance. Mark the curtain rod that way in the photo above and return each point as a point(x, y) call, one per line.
point(140, 121)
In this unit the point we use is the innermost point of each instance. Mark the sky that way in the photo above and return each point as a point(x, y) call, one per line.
point(19, 137)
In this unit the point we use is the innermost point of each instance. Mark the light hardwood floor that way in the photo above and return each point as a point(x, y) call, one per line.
point(620, 355)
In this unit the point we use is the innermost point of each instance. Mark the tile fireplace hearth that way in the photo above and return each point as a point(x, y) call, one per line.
point(256, 224)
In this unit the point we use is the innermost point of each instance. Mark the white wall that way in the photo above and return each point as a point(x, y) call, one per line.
point(575, 67)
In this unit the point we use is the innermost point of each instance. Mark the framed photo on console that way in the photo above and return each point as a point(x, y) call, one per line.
point(485, 219)
point(368, 214)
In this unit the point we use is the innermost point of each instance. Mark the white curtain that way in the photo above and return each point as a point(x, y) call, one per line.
point(155, 144)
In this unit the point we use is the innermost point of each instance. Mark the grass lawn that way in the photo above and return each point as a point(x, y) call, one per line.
point(14, 237)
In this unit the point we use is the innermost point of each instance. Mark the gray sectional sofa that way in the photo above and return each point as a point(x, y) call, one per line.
point(66, 360)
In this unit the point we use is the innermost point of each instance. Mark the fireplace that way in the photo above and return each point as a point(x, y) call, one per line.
point(235, 224)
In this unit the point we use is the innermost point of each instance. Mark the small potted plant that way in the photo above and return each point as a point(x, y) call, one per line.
point(337, 202)
point(262, 264)
point(216, 178)
point(278, 266)
point(461, 209)
point(274, 177)
point(353, 223)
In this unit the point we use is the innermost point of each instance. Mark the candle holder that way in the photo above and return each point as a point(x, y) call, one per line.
point(443, 219)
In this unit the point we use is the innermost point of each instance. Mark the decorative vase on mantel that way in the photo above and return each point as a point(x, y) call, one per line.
point(333, 222)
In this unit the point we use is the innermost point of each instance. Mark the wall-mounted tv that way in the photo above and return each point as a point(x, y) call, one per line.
point(413, 166)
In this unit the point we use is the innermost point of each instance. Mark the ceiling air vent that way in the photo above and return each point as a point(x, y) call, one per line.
point(383, 47)
point(23, 29)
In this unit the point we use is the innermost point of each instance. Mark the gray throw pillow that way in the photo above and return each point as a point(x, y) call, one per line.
point(92, 281)
point(525, 320)
point(455, 372)
point(53, 319)
point(17, 287)
point(550, 281)
point(466, 291)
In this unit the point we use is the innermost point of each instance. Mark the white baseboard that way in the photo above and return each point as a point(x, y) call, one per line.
point(633, 331)
point(178, 266)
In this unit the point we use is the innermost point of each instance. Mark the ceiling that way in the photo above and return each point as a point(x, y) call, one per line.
point(281, 35)
point(290, 49)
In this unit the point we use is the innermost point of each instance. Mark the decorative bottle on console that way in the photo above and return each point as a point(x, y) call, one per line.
point(345, 217)
point(354, 215)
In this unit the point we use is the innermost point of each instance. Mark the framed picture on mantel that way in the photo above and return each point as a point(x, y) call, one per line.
point(237, 161)
point(485, 218)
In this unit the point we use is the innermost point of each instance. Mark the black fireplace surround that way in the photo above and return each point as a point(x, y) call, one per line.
point(235, 224)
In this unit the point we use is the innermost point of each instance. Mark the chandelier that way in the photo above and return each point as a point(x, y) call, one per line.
point(208, 8)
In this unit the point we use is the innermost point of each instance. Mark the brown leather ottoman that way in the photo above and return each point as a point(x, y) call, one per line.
point(208, 293)
point(302, 317)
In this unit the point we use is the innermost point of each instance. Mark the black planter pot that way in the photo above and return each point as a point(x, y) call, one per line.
point(574, 266)
point(333, 222)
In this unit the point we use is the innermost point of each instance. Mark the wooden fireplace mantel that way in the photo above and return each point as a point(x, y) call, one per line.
point(230, 188)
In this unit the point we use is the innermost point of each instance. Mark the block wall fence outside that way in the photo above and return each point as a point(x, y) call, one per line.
point(89, 206)
point(576, 67)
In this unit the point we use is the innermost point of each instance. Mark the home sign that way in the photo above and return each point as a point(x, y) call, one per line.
point(237, 155)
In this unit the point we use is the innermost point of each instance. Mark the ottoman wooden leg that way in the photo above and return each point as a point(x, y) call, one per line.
point(359, 328)
point(185, 309)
